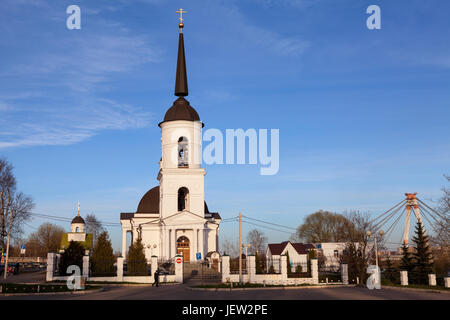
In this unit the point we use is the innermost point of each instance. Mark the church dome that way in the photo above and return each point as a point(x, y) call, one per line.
point(78, 219)
point(181, 110)
point(150, 202)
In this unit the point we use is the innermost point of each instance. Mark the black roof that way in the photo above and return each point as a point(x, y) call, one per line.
point(78, 219)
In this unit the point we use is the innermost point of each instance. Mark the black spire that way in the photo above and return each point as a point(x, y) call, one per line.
point(181, 86)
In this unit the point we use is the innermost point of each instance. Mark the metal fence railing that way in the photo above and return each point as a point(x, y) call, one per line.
point(234, 266)
point(137, 268)
point(298, 270)
point(166, 267)
point(103, 268)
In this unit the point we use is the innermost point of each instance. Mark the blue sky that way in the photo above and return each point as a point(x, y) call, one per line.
point(363, 114)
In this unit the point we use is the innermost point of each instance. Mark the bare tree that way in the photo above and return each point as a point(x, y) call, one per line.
point(324, 226)
point(257, 240)
point(94, 226)
point(358, 253)
point(7, 190)
point(230, 247)
point(46, 239)
point(442, 236)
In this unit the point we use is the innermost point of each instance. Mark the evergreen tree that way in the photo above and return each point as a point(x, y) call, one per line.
point(389, 270)
point(73, 255)
point(271, 269)
point(289, 269)
point(136, 262)
point(259, 263)
point(406, 264)
point(423, 262)
point(102, 256)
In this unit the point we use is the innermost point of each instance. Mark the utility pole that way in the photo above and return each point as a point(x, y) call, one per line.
point(240, 247)
point(5, 271)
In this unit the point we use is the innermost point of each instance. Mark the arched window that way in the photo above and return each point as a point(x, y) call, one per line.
point(183, 153)
point(76, 230)
point(183, 199)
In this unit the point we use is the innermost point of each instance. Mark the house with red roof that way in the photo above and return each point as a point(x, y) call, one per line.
point(298, 255)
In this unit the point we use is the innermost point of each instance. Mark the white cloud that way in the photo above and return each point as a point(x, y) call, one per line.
point(70, 124)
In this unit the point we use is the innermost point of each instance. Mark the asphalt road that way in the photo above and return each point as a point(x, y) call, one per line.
point(25, 277)
point(182, 292)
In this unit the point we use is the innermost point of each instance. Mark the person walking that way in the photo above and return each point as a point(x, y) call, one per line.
point(156, 276)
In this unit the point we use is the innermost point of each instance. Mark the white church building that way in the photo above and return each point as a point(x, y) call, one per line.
point(173, 218)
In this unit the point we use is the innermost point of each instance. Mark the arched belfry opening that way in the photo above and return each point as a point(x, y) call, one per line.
point(183, 199)
point(183, 161)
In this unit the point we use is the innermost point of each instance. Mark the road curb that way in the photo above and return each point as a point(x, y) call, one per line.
point(272, 288)
point(132, 284)
point(51, 293)
point(415, 289)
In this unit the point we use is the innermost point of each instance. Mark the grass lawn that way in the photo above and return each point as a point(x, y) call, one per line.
point(417, 286)
point(249, 285)
point(33, 288)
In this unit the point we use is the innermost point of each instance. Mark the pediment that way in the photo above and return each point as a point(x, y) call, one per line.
point(184, 217)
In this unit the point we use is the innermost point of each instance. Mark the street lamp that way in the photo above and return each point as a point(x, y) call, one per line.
point(381, 232)
point(246, 247)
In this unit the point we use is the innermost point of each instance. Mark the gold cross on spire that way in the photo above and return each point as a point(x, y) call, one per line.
point(181, 25)
point(181, 11)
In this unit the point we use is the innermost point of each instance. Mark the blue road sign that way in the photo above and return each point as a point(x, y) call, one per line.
point(198, 255)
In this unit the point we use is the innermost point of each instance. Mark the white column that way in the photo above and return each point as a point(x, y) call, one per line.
point(153, 266)
point(344, 273)
point(447, 282)
point(283, 267)
point(225, 261)
point(217, 240)
point(201, 237)
point(50, 266)
point(120, 269)
point(86, 266)
point(173, 244)
point(432, 279)
point(251, 268)
point(166, 243)
point(124, 243)
point(179, 269)
point(404, 278)
point(194, 245)
point(314, 271)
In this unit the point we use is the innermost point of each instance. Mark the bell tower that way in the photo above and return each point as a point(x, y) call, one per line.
point(181, 177)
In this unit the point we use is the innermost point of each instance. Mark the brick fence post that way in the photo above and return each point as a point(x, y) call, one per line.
point(86, 267)
point(432, 279)
point(179, 269)
point(120, 269)
point(50, 266)
point(154, 265)
point(404, 278)
point(314, 271)
point(344, 273)
point(225, 268)
point(283, 267)
point(251, 268)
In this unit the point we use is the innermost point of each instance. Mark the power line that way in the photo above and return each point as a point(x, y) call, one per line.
point(271, 223)
point(263, 226)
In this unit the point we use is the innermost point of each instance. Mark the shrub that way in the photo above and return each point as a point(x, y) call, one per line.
point(103, 257)
point(136, 262)
point(73, 255)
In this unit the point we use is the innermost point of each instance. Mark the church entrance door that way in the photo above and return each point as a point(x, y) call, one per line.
point(183, 248)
